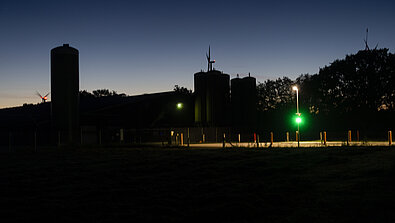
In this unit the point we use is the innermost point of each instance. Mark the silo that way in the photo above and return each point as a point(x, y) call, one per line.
point(212, 98)
point(200, 97)
point(236, 101)
point(65, 94)
point(243, 100)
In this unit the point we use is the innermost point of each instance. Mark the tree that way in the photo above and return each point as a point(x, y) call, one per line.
point(362, 82)
point(274, 94)
point(86, 94)
point(182, 90)
point(106, 93)
point(100, 93)
point(356, 92)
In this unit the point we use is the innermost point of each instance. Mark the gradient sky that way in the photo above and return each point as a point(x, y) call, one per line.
point(147, 46)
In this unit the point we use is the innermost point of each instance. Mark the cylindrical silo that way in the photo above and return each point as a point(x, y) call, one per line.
point(212, 98)
point(65, 94)
point(236, 101)
point(243, 100)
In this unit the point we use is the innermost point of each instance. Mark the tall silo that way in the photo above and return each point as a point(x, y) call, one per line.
point(65, 93)
point(236, 101)
point(211, 98)
point(243, 101)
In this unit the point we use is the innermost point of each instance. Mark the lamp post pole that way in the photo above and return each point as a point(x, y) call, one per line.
point(297, 110)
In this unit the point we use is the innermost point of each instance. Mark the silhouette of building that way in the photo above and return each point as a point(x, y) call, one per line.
point(65, 93)
point(212, 99)
point(243, 103)
point(215, 108)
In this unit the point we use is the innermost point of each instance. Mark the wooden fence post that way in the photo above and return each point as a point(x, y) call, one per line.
point(223, 141)
point(325, 138)
point(271, 138)
point(349, 138)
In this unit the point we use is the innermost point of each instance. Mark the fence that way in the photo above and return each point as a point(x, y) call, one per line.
point(91, 135)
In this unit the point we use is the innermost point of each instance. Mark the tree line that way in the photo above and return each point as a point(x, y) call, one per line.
point(357, 92)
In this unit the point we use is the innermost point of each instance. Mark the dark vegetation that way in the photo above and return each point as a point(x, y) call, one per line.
point(213, 185)
point(354, 93)
point(99, 93)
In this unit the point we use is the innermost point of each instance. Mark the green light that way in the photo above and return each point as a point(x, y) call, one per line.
point(180, 106)
point(298, 120)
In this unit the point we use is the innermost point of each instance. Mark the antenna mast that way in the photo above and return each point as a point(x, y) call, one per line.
point(209, 61)
point(366, 39)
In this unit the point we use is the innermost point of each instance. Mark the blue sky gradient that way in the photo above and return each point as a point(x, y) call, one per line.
point(138, 47)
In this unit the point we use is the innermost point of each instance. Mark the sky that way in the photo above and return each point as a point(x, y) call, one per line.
point(148, 46)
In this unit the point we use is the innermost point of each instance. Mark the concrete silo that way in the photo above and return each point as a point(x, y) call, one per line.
point(65, 94)
point(212, 98)
point(243, 101)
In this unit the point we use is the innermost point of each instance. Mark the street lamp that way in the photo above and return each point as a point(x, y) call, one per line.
point(297, 98)
point(298, 119)
point(180, 105)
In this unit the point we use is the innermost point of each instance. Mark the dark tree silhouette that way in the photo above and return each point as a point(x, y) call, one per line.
point(182, 90)
point(106, 93)
point(363, 82)
point(100, 93)
point(357, 92)
point(86, 94)
point(274, 94)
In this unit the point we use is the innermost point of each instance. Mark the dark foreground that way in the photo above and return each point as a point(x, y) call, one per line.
point(177, 185)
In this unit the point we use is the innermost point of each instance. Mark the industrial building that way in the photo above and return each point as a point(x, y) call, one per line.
point(216, 108)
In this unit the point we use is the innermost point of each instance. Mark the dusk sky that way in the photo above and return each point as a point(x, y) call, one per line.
point(138, 47)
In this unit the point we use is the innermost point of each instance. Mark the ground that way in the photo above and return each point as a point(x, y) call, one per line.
point(337, 184)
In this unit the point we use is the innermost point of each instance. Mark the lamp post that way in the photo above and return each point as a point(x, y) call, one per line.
point(298, 119)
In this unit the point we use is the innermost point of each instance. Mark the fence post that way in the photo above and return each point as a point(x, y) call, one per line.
point(121, 136)
point(182, 139)
point(257, 141)
point(188, 138)
point(223, 141)
point(357, 135)
point(349, 138)
point(297, 136)
point(271, 138)
point(390, 138)
point(321, 137)
point(287, 136)
point(324, 138)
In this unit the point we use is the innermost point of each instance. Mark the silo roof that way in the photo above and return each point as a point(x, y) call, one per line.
point(65, 49)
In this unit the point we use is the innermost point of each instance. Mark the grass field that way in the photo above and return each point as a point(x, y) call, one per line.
point(199, 185)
